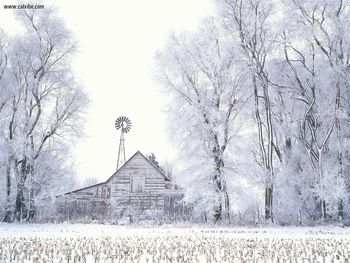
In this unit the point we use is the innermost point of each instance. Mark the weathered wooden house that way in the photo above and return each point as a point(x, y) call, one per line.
point(136, 189)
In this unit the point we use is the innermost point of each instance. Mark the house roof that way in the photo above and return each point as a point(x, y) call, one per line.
point(87, 187)
point(138, 152)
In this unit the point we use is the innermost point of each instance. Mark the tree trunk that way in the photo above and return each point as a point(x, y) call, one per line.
point(268, 203)
point(340, 150)
point(340, 210)
point(218, 207)
point(20, 204)
point(222, 210)
point(8, 212)
point(269, 163)
point(266, 157)
point(218, 212)
point(320, 172)
point(20, 208)
point(227, 204)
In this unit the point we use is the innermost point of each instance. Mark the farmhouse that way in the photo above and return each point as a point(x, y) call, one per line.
point(137, 188)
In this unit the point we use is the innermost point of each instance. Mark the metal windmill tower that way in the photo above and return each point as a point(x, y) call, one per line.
point(124, 124)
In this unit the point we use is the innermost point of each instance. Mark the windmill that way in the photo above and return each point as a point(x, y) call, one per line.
point(124, 124)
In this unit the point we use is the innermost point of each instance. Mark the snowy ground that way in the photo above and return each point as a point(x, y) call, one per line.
point(107, 243)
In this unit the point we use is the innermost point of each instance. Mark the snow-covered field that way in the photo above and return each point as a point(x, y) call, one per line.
point(108, 243)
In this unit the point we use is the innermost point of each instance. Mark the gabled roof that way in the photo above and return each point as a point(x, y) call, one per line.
point(138, 152)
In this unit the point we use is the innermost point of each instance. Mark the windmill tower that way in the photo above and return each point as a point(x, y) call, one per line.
point(124, 124)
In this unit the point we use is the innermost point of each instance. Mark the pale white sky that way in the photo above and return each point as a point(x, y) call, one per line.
point(115, 65)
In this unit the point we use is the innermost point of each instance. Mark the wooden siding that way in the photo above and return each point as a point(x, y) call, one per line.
point(123, 200)
point(91, 202)
point(115, 197)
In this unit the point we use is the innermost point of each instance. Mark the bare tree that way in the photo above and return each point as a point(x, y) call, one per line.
point(316, 50)
point(249, 21)
point(3, 66)
point(4, 99)
point(203, 79)
point(45, 106)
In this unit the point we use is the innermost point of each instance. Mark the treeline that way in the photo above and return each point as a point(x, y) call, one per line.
point(259, 104)
point(40, 114)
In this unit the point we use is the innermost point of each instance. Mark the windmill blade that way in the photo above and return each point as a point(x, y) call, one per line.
point(124, 123)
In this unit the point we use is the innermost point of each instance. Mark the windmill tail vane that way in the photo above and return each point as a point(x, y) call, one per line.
point(124, 124)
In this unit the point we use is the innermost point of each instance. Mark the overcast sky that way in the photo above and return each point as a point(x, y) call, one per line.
point(115, 65)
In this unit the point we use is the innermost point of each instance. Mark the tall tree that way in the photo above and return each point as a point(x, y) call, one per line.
point(316, 50)
point(44, 108)
point(201, 75)
point(4, 97)
point(250, 22)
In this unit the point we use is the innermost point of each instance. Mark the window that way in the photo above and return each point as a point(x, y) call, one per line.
point(137, 184)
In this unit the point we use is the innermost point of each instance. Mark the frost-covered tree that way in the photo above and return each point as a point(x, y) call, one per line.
point(203, 78)
point(251, 22)
point(292, 58)
point(4, 95)
point(3, 67)
point(153, 160)
point(316, 50)
point(41, 114)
